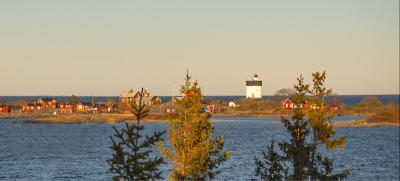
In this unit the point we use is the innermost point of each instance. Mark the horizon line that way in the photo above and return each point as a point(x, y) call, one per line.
point(171, 96)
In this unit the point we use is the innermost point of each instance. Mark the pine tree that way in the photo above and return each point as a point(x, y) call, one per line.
point(132, 164)
point(320, 123)
point(195, 154)
point(300, 160)
point(272, 169)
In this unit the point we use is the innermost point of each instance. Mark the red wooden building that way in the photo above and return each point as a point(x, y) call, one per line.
point(148, 101)
point(4, 109)
point(128, 96)
point(68, 105)
point(171, 111)
point(100, 106)
point(288, 104)
point(66, 110)
point(126, 112)
point(33, 106)
point(48, 102)
point(333, 108)
point(210, 108)
point(314, 106)
point(84, 106)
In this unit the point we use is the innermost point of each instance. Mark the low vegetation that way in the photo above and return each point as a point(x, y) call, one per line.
point(381, 119)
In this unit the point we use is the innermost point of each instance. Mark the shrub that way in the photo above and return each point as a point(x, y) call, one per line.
point(350, 107)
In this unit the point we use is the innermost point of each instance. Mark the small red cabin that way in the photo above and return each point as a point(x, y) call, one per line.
point(67, 110)
point(4, 109)
point(84, 106)
point(171, 111)
point(33, 106)
point(126, 112)
point(333, 108)
point(314, 106)
point(288, 104)
point(68, 105)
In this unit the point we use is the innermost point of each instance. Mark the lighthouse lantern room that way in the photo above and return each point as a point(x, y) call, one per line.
point(253, 87)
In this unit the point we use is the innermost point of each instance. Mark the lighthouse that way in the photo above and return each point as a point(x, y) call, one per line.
point(253, 87)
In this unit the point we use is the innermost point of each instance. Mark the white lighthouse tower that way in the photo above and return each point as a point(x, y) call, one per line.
point(253, 87)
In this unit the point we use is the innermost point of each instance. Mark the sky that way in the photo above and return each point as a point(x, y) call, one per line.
point(106, 47)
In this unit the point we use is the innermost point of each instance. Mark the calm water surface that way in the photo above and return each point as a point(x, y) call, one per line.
point(79, 152)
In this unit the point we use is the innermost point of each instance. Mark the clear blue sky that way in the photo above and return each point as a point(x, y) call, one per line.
point(106, 47)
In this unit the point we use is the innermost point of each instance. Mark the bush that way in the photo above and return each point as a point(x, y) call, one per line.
point(350, 107)
point(371, 101)
point(360, 105)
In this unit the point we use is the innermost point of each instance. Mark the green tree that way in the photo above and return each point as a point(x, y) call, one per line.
point(270, 168)
point(301, 157)
point(74, 100)
point(320, 122)
point(133, 164)
point(195, 154)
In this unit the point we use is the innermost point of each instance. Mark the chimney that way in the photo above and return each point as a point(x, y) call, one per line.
point(131, 90)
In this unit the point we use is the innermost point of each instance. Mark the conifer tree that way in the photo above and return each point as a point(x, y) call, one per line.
point(195, 154)
point(272, 169)
point(131, 158)
point(320, 122)
point(300, 160)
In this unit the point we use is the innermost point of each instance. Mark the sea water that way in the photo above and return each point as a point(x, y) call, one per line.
point(80, 151)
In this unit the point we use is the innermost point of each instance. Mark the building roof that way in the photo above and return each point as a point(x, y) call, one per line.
point(289, 100)
point(148, 94)
point(85, 103)
point(101, 105)
point(127, 94)
point(12, 107)
point(33, 104)
point(47, 99)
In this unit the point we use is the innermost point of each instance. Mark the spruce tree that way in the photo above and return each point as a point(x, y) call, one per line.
point(131, 158)
point(270, 168)
point(320, 122)
point(195, 154)
point(299, 159)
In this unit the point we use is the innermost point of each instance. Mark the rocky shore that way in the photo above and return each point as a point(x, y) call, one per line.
point(94, 119)
point(382, 119)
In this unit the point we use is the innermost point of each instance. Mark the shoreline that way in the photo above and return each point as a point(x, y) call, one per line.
point(115, 119)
